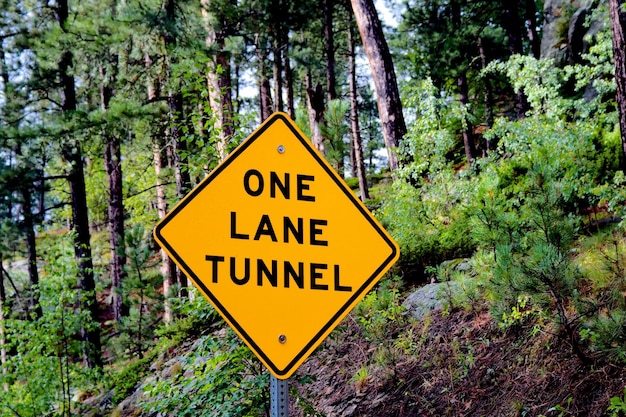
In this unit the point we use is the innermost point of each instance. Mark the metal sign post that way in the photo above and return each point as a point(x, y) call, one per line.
point(279, 397)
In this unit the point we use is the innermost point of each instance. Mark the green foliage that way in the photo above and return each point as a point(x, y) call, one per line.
point(380, 311)
point(431, 138)
point(125, 382)
point(44, 361)
point(141, 296)
point(618, 406)
point(429, 223)
point(194, 316)
point(218, 377)
point(603, 263)
point(540, 80)
point(335, 131)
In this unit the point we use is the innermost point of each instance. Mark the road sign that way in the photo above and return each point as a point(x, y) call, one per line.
point(278, 243)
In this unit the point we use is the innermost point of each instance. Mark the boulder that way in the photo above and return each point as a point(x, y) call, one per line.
point(430, 297)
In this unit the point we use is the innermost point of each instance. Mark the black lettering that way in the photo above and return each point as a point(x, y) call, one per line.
point(302, 186)
point(315, 276)
point(338, 286)
point(233, 271)
point(283, 186)
point(215, 260)
point(265, 228)
point(315, 230)
point(297, 232)
point(298, 277)
point(233, 228)
point(246, 182)
point(262, 269)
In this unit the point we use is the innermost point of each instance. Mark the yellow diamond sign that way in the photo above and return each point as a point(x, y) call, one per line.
point(278, 243)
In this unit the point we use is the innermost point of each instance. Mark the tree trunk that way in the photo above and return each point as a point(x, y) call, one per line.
point(90, 335)
point(28, 224)
point(531, 25)
point(291, 108)
point(31, 249)
point(512, 26)
point(277, 48)
point(113, 166)
point(315, 108)
point(468, 141)
point(219, 79)
point(265, 90)
point(3, 340)
point(384, 76)
point(488, 98)
point(357, 146)
point(175, 116)
point(329, 46)
point(618, 27)
point(168, 268)
point(27, 209)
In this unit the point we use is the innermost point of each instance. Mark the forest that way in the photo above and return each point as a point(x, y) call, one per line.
point(486, 132)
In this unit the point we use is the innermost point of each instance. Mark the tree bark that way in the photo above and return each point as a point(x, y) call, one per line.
point(28, 223)
point(329, 47)
point(357, 145)
point(265, 90)
point(384, 76)
point(90, 334)
point(512, 26)
point(488, 98)
point(315, 108)
point(31, 249)
point(277, 48)
point(3, 340)
point(468, 141)
point(175, 116)
point(113, 166)
point(617, 15)
point(291, 108)
point(531, 24)
point(219, 77)
point(168, 268)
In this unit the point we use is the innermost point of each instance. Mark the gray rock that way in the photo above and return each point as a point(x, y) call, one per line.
point(565, 29)
point(430, 297)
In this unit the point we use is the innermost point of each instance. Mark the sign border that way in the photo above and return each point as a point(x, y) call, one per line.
point(340, 183)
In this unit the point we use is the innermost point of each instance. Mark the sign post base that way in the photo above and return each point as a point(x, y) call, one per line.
point(279, 397)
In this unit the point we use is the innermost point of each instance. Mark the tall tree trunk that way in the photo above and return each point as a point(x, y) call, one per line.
point(315, 107)
point(468, 141)
point(168, 268)
point(329, 46)
point(277, 48)
point(512, 26)
point(617, 16)
point(265, 90)
point(90, 334)
point(384, 76)
point(291, 108)
point(175, 116)
point(219, 77)
point(357, 145)
point(28, 222)
point(3, 340)
point(31, 249)
point(531, 25)
point(488, 98)
point(181, 173)
point(513, 30)
point(113, 166)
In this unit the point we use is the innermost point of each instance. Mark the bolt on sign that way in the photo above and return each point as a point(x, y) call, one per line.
point(278, 243)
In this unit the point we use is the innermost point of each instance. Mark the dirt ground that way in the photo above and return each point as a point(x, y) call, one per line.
point(457, 364)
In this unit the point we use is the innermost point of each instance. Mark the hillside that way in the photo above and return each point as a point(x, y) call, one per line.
point(454, 362)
